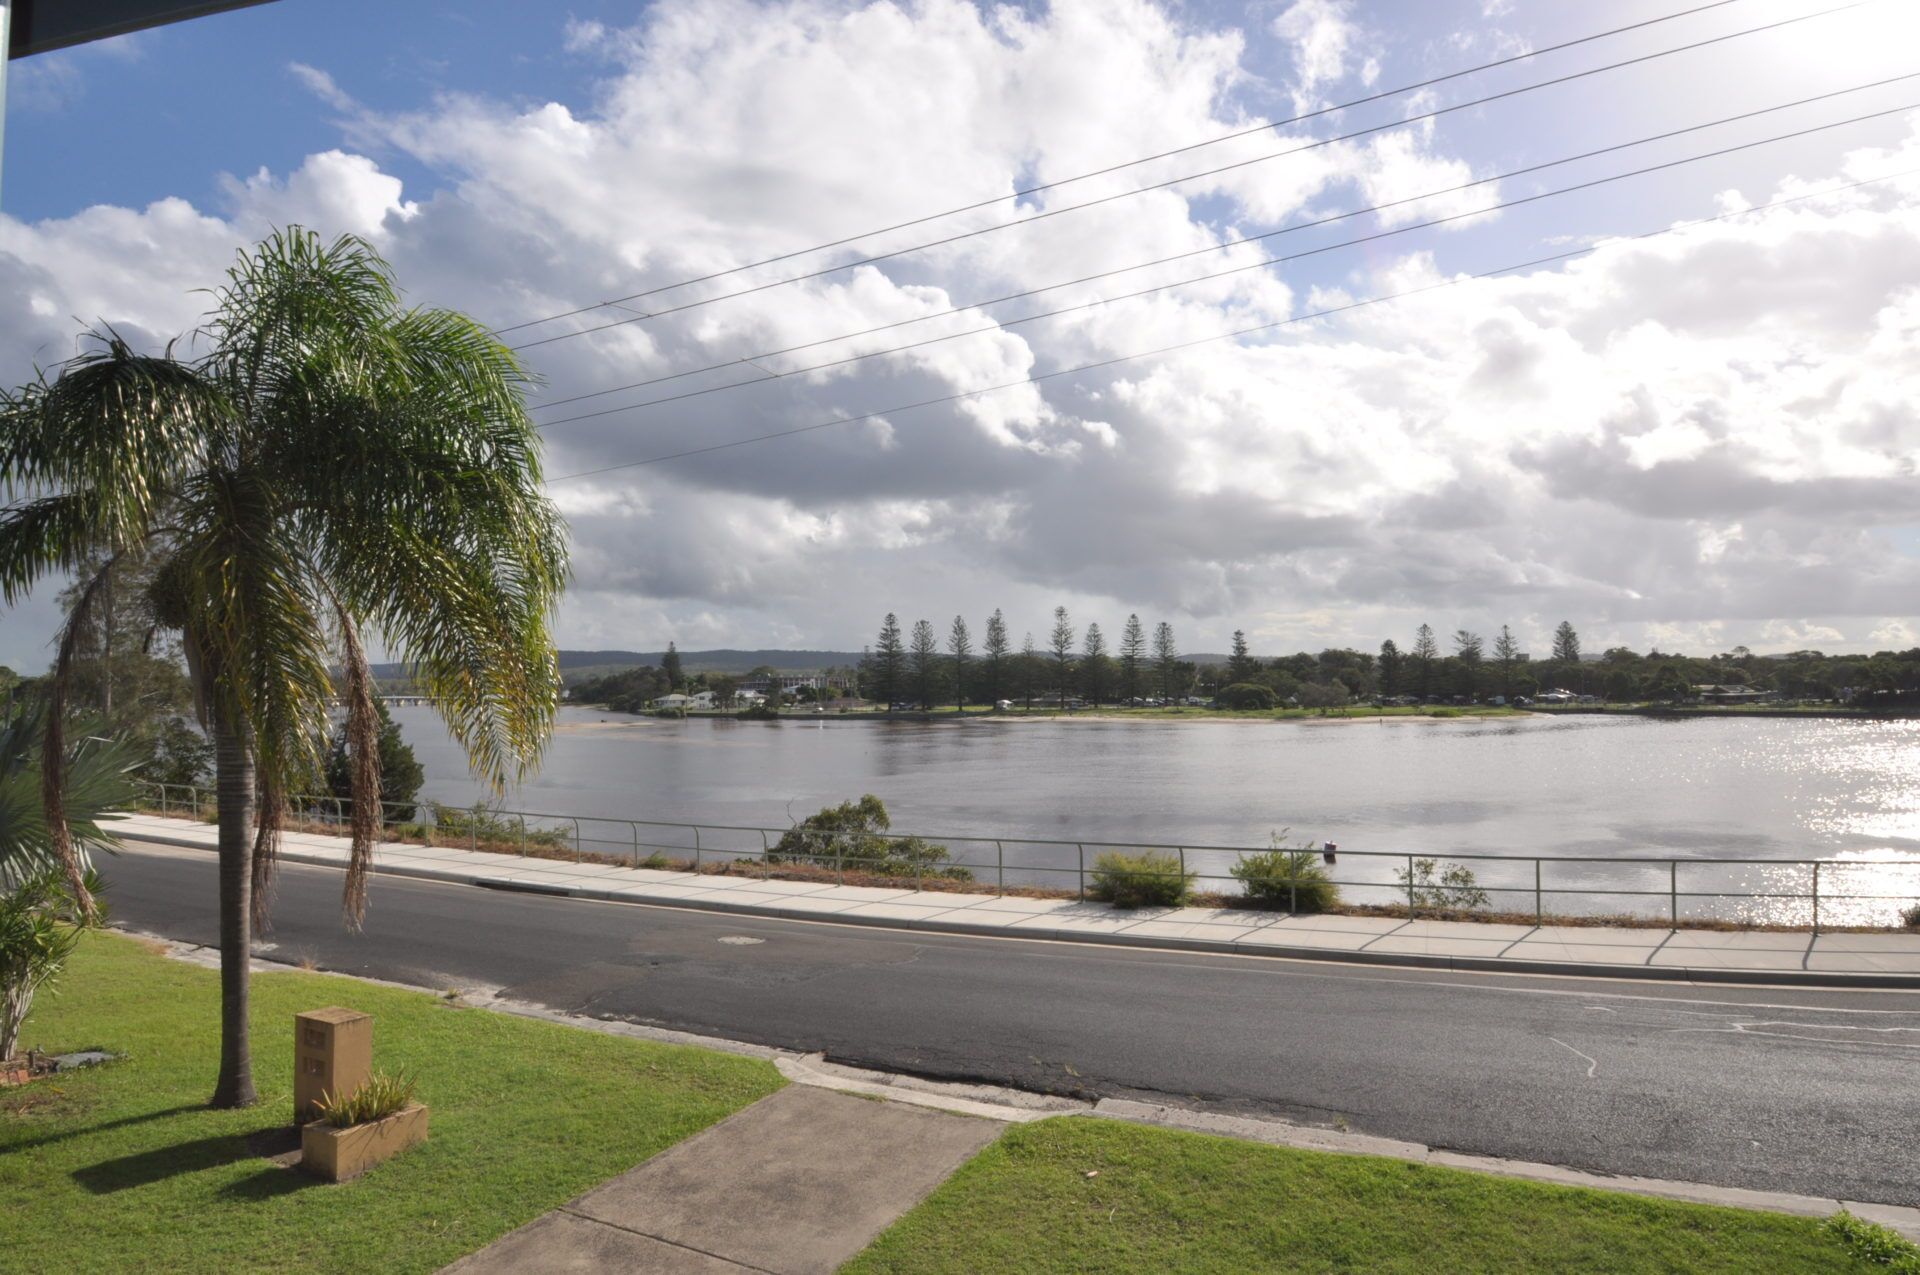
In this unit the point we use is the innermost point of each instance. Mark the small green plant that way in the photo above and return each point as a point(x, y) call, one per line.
point(1286, 877)
point(1874, 1244)
point(854, 835)
point(378, 1097)
point(1911, 917)
point(1431, 887)
point(657, 861)
point(1151, 879)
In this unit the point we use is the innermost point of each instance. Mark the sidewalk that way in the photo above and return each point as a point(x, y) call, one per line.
point(1887, 960)
point(795, 1184)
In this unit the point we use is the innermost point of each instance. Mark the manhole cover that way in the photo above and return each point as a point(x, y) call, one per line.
point(739, 940)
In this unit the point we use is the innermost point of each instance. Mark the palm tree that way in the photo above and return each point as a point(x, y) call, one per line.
point(333, 465)
point(95, 774)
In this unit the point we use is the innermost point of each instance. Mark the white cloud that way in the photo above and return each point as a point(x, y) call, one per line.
point(1323, 34)
point(1703, 437)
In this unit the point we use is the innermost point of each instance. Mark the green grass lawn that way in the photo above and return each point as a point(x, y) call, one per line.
point(122, 1167)
point(1081, 1195)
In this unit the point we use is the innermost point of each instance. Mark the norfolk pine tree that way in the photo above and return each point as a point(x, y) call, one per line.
point(959, 651)
point(995, 661)
point(1133, 650)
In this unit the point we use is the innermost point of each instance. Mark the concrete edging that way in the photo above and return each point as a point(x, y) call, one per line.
point(1408, 960)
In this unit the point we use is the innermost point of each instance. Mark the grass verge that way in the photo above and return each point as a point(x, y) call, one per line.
point(1084, 1195)
point(122, 1167)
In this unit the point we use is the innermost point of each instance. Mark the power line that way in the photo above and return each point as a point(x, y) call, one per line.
point(1175, 181)
point(752, 359)
point(1254, 265)
point(1023, 192)
point(1225, 336)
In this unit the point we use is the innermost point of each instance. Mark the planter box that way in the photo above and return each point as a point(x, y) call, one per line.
point(340, 1154)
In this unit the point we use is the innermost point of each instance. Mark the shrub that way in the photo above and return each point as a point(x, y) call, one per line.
point(379, 1096)
point(1152, 879)
point(1247, 695)
point(1911, 917)
point(1433, 888)
point(1443, 712)
point(852, 834)
point(1286, 877)
point(40, 925)
point(480, 827)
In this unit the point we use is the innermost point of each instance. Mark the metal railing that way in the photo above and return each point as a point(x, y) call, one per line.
point(1794, 892)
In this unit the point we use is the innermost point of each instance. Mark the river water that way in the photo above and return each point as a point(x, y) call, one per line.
point(1703, 791)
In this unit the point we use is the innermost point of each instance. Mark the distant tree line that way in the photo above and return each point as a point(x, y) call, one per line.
point(917, 668)
point(913, 667)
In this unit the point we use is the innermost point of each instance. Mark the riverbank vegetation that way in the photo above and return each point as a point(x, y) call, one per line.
point(912, 668)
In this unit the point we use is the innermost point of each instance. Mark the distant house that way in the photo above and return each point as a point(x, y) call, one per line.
point(1714, 693)
point(789, 683)
point(699, 699)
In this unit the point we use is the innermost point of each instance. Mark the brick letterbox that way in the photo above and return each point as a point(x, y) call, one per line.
point(332, 1054)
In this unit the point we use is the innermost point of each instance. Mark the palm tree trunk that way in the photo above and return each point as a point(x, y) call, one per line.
point(233, 778)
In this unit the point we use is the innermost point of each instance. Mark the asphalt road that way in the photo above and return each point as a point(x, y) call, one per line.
point(1805, 1091)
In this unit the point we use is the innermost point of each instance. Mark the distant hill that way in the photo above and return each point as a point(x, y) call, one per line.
point(577, 664)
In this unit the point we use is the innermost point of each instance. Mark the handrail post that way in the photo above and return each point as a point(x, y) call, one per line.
point(523, 836)
point(1081, 850)
point(696, 848)
point(1816, 896)
point(1293, 884)
point(766, 868)
point(1000, 869)
point(1409, 887)
point(1538, 915)
point(634, 828)
point(576, 838)
point(1673, 890)
point(1183, 867)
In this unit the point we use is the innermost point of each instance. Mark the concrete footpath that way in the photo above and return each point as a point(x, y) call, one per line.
point(1879, 960)
point(795, 1184)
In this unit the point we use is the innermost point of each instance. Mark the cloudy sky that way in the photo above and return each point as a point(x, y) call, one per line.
point(1695, 440)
